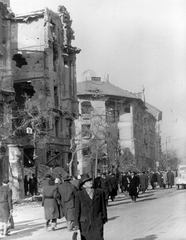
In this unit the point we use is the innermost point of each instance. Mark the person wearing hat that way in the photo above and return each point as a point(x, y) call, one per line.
point(67, 192)
point(90, 210)
point(6, 206)
point(134, 186)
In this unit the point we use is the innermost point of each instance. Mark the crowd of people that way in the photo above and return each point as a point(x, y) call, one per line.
point(82, 205)
point(83, 202)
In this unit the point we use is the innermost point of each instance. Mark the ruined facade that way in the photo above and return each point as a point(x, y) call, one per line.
point(38, 71)
point(6, 86)
point(138, 136)
point(44, 69)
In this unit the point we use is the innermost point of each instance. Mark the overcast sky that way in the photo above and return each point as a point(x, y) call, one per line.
point(138, 43)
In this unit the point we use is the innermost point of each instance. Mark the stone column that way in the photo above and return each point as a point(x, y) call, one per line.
point(16, 171)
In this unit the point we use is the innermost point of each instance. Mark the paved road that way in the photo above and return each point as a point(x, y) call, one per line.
point(158, 214)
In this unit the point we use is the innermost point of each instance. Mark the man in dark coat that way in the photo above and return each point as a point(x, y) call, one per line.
point(97, 181)
point(50, 202)
point(26, 185)
point(6, 206)
point(33, 184)
point(170, 179)
point(143, 182)
point(113, 183)
point(67, 192)
point(105, 186)
point(134, 186)
point(90, 210)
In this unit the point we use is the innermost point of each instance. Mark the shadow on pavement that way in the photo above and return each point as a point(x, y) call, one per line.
point(143, 200)
point(113, 218)
point(25, 230)
point(149, 237)
point(28, 221)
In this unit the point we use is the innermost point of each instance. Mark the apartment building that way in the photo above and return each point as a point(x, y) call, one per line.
point(136, 123)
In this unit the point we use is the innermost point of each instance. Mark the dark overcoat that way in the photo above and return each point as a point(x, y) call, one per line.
point(67, 192)
point(143, 182)
point(113, 184)
point(90, 214)
point(50, 202)
point(5, 203)
point(170, 178)
point(105, 187)
point(134, 183)
point(125, 182)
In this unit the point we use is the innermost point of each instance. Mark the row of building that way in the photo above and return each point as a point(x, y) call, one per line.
point(38, 76)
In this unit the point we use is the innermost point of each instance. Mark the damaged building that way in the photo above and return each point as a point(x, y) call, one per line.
point(40, 65)
point(44, 73)
point(6, 86)
point(137, 125)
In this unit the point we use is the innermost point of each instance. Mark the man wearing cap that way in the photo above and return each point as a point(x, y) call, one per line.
point(90, 210)
point(67, 192)
point(6, 206)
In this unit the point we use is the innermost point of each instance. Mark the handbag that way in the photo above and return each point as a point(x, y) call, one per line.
point(10, 223)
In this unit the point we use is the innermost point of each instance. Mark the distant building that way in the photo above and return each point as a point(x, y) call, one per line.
point(137, 123)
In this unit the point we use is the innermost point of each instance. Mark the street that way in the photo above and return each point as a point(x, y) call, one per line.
point(157, 214)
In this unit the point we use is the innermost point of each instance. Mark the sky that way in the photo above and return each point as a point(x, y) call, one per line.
point(138, 43)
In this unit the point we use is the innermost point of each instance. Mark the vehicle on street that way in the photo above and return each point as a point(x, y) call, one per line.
point(180, 180)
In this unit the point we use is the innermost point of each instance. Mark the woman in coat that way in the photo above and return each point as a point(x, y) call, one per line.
point(6, 206)
point(50, 202)
point(90, 210)
point(67, 193)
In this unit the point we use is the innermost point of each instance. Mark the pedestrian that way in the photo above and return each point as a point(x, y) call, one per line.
point(67, 192)
point(164, 178)
point(120, 182)
point(154, 180)
point(125, 183)
point(105, 187)
point(50, 203)
point(6, 206)
point(90, 210)
point(133, 186)
point(26, 185)
point(170, 178)
point(160, 179)
point(143, 182)
point(113, 183)
point(33, 185)
point(97, 181)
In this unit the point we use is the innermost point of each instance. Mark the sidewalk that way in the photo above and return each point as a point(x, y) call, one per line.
point(30, 224)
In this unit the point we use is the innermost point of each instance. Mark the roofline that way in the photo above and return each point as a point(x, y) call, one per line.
point(30, 14)
point(113, 96)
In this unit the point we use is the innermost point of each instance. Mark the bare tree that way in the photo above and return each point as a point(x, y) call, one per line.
point(96, 138)
point(169, 160)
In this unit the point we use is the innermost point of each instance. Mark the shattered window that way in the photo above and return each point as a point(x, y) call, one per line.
point(86, 131)
point(20, 60)
point(86, 107)
point(56, 100)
